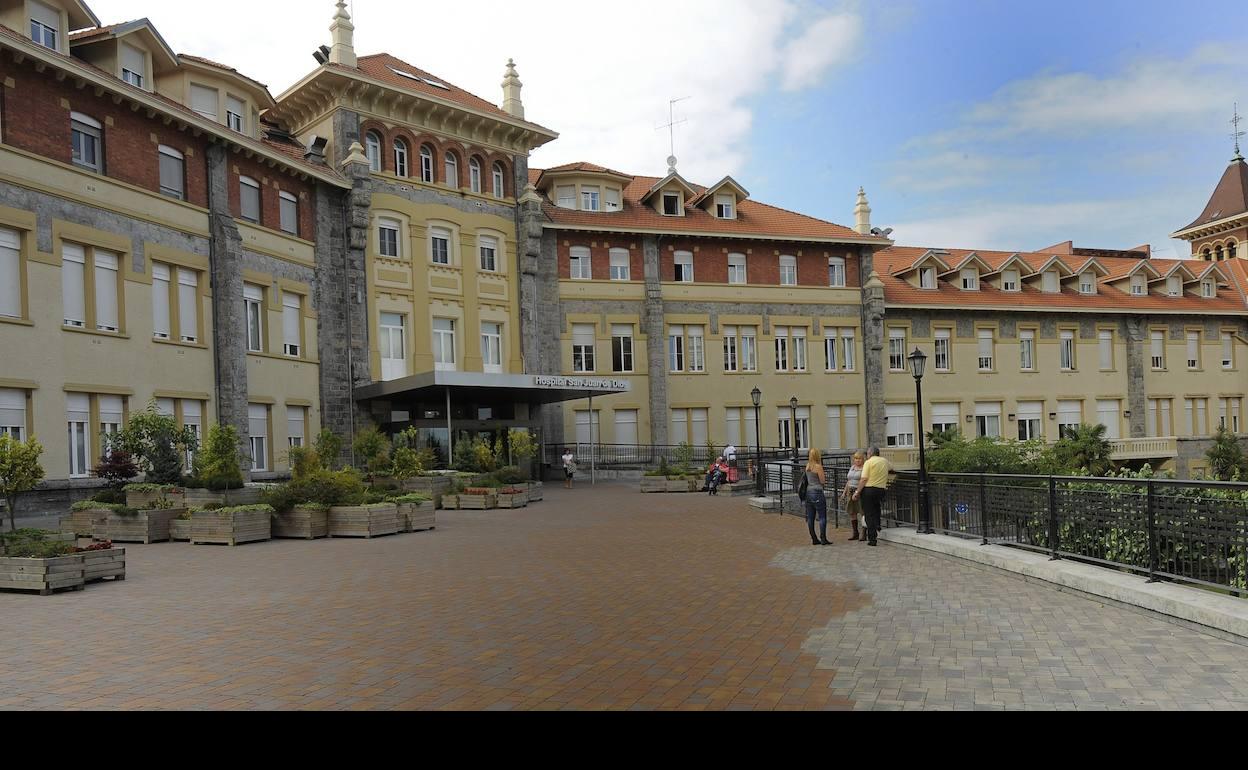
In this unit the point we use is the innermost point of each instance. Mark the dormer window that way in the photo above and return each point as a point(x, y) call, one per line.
point(671, 204)
point(927, 278)
point(611, 199)
point(725, 207)
point(45, 25)
point(591, 199)
point(1174, 286)
point(1138, 286)
point(236, 108)
point(970, 279)
point(204, 101)
point(1208, 289)
point(133, 65)
point(1009, 280)
point(1087, 284)
point(565, 197)
point(1050, 282)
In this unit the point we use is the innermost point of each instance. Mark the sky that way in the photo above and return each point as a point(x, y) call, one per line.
point(970, 123)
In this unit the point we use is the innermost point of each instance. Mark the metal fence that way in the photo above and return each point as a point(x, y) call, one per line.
point(780, 479)
point(1188, 531)
point(650, 455)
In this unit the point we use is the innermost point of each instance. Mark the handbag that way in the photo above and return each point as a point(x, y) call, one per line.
point(803, 488)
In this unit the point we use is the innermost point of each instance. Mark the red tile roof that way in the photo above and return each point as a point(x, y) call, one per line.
point(83, 34)
point(583, 166)
point(220, 66)
point(1230, 197)
point(891, 263)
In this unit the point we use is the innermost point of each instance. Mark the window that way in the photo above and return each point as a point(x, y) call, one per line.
point(188, 305)
point(970, 279)
point(426, 164)
point(235, 108)
point(1174, 286)
point(896, 350)
point(620, 265)
point(611, 199)
point(440, 246)
point(400, 157)
point(622, 348)
point(86, 134)
point(78, 415)
point(848, 347)
point(1009, 280)
point(498, 180)
point(736, 269)
point(292, 324)
point(1109, 414)
point(689, 425)
point(1069, 416)
point(388, 238)
point(583, 348)
point(788, 271)
point(749, 349)
point(987, 359)
point(789, 431)
point(988, 420)
point(204, 101)
point(45, 24)
point(1067, 351)
point(782, 349)
point(1139, 286)
point(927, 278)
point(1087, 283)
point(740, 349)
point(671, 204)
point(1027, 350)
point(683, 264)
point(249, 199)
point(565, 197)
point(725, 207)
point(1158, 340)
point(588, 428)
point(740, 427)
point(161, 328)
point(73, 284)
point(1193, 350)
point(288, 213)
point(1197, 416)
point(1030, 420)
point(444, 344)
point(1228, 351)
point(842, 427)
point(296, 425)
point(474, 175)
point(943, 349)
point(372, 149)
point(1105, 343)
point(830, 362)
point(393, 343)
point(258, 430)
point(945, 417)
point(253, 306)
point(581, 268)
point(451, 164)
point(676, 348)
point(13, 413)
point(899, 419)
point(1230, 413)
point(112, 416)
point(798, 336)
point(1050, 282)
point(488, 247)
point(697, 349)
point(1208, 289)
point(106, 291)
point(836, 272)
point(1159, 419)
point(492, 347)
point(10, 273)
point(625, 427)
point(591, 198)
point(172, 173)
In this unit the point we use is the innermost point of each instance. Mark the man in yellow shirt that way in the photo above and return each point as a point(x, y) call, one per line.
point(871, 490)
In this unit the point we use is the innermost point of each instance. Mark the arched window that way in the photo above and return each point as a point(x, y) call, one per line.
point(1218, 254)
point(452, 170)
point(1232, 249)
point(498, 180)
point(400, 157)
point(426, 164)
point(1206, 256)
point(474, 175)
point(372, 148)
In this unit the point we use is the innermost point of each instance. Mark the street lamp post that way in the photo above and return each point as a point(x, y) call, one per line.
point(793, 426)
point(918, 362)
point(757, 396)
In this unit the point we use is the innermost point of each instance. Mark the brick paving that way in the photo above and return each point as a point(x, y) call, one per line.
point(601, 599)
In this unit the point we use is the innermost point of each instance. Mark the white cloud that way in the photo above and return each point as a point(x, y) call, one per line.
point(601, 75)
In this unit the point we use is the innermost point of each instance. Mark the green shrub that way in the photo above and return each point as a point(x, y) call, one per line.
point(304, 461)
point(372, 452)
point(110, 496)
point(219, 466)
point(246, 509)
point(328, 447)
point(323, 487)
point(156, 443)
point(142, 488)
point(1226, 457)
point(410, 499)
point(511, 475)
point(91, 505)
point(20, 471)
point(375, 497)
point(683, 455)
point(37, 549)
point(984, 455)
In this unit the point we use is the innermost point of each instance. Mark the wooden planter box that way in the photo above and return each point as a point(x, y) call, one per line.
point(143, 527)
point(450, 502)
point(422, 517)
point(84, 523)
point(230, 498)
point(363, 521)
point(140, 500)
point(302, 524)
point(652, 484)
point(683, 485)
point(42, 575)
point(518, 500)
point(216, 528)
point(478, 502)
point(180, 530)
point(433, 486)
point(52, 537)
point(98, 565)
point(536, 489)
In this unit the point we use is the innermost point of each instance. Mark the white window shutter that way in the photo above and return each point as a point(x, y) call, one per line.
point(257, 420)
point(583, 334)
point(77, 407)
point(294, 422)
point(160, 301)
point(204, 101)
point(45, 14)
point(106, 316)
point(133, 59)
point(13, 409)
point(188, 305)
point(290, 321)
point(73, 284)
point(111, 409)
point(10, 274)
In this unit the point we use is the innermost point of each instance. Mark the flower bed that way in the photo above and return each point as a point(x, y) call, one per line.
point(130, 526)
point(304, 522)
point(232, 526)
point(367, 521)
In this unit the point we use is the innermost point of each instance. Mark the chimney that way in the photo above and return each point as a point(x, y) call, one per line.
point(343, 31)
point(862, 214)
point(511, 92)
point(316, 150)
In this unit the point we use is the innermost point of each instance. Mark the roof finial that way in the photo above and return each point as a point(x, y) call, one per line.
point(1236, 133)
point(862, 214)
point(512, 105)
point(342, 50)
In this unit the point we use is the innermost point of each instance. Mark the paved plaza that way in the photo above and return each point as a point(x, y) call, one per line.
point(594, 599)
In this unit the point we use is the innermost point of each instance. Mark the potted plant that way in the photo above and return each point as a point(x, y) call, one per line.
point(88, 517)
point(367, 520)
point(101, 561)
point(513, 497)
point(416, 512)
point(157, 445)
point(147, 525)
point(146, 495)
point(302, 506)
point(180, 528)
point(20, 471)
point(34, 564)
point(217, 476)
point(232, 526)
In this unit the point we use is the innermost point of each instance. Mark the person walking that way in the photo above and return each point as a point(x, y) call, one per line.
point(871, 490)
point(852, 506)
point(569, 467)
point(815, 500)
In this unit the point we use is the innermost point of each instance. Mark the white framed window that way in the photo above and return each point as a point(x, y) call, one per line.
point(726, 206)
point(591, 198)
point(1139, 286)
point(782, 348)
point(172, 173)
point(749, 349)
point(1174, 286)
point(1230, 413)
point(1087, 283)
point(258, 431)
point(1069, 416)
point(440, 246)
point(492, 347)
point(798, 336)
point(487, 246)
point(161, 327)
point(1208, 289)
point(836, 272)
point(1159, 418)
point(988, 420)
point(899, 422)
point(474, 175)
point(621, 265)
point(565, 196)
point(588, 427)
point(1193, 350)
point(249, 199)
point(13, 413)
point(288, 213)
point(683, 264)
point(444, 344)
point(622, 348)
point(112, 416)
point(1109, 414)
point(45, 25)
point(927, 278)
point(204, 101)
point(1009, 280)
point(794, 425)
point(1067, 350)
point(1030, 420)
point(848, 348)
point(451, 168)
point(583, 344)
point(296, 425)
point(1105, 342)
point(580, 266)
point(188, 305)
point(107, 315)
point(497, 179)
point(970, 279)
point(945, 417)
point(788, 271)
point(1197, 410)
point(400, 157)
point(843, 427)
point(697, 349)
point(732, 349)
point(10, 273)
point(830, 361)
point(73, 284)
point(1158, 345)
point(372, 150)
point(1228, 351)
point(253, 307)
point(942, 348)
point(987, 352)
point(87, 135)
point(393, 343)
point(676, 349)
point(671, 204)
point(896, 350)
point(235, 112)
point(736, 269)
point(292, 324)
point(426, 164)
point(1027, 350)
point(1050, 282)
point(740, 349)
point(78, 415)
point(388, 243)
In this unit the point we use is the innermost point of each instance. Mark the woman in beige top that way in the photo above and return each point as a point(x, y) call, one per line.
point(854, 507)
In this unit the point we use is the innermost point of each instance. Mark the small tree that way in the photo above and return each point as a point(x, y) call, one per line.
point(407, 460)
point(1226, 456)
point(303, 462)
point(20, 471)
point(1082, 450)
point(149, 435)
point(938, 438)
point(523, 447)
point(328, 446)
point(220, 464)
point(116, 467)
point(164, 458)
point(372, 451)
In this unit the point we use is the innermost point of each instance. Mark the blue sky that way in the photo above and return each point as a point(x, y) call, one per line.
point(978, 124)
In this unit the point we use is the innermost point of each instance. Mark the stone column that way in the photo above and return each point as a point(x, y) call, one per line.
point(546, 317)
point(654, 322)
point(529, 220)
point(873, 349)
point(1136, 332)
point(229, 324)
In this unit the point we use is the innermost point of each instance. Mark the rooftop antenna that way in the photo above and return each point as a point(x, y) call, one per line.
point(672, 122)
point(1236, 134)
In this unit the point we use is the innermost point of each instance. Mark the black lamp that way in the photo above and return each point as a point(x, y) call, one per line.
point(793, 426)
point(918, 363)
point(757, 396)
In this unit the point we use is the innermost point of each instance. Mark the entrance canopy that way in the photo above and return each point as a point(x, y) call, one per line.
point(526, 388)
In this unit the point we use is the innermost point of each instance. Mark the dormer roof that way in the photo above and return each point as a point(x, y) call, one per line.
point(668, 181)
point(968, 261)
point(1053, 262)
point(161, 52)
point(80, 15)
point(1169, 270)
point(710, 192)
point(581, 168)
point(1094, 265)
point(1014, 260)
point(932, 256)
point(258, 89)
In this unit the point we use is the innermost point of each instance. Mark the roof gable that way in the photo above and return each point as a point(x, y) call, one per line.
point(710, 192)
point(143, 27)
point(968, 261)
point(667, 181)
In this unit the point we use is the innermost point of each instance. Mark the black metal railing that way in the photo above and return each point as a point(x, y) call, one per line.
point(1188, 531)
point(650, 455)
point(780, 479)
